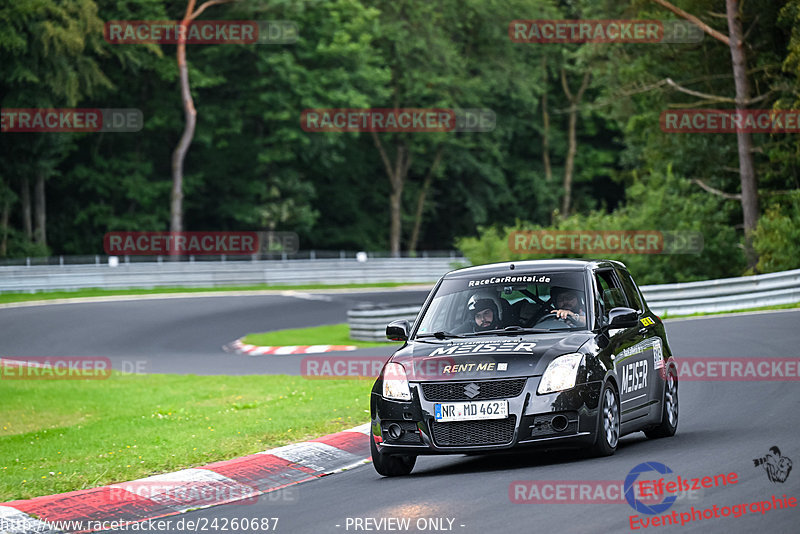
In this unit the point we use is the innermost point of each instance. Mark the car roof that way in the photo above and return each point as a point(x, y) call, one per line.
point(533, 266)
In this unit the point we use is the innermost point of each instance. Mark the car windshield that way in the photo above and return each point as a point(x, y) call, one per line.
point(510, 304)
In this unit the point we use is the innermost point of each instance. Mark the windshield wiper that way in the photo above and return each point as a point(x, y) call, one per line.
point(511, 330)
point(441, 335)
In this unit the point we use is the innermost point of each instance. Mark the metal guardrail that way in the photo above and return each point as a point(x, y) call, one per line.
point(728, 294)
point(369, 323)
point(219, 274)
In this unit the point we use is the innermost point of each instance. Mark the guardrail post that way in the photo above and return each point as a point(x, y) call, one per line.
point(28, 261)
point(96, 259)
point(312, 255)
point(61, 261)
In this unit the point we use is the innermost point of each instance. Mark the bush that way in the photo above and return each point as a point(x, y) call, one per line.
point(777, 237)
point(667, 203)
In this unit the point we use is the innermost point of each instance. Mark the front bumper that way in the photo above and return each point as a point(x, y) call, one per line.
point(566, 419)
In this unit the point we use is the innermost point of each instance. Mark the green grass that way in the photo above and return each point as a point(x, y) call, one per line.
point(336, 334)
point(763, 308)
point(6, 298)
point(64, 435)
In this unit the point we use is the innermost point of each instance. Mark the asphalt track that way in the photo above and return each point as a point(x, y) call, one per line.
point(723, 425)
point(181, 335)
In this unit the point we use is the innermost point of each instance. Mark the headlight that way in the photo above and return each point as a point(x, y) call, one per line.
point(560, 374)
point(395, 382)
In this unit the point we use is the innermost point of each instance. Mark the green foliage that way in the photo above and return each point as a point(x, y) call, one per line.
point(252, 167)
point(777, 237)
point(664, 204)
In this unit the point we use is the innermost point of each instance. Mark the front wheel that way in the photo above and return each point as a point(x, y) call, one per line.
point(390, 466)
point(669, 412)
point(608, 424)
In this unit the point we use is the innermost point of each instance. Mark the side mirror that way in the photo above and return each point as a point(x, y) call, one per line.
point(622, 318)
point(398, 330)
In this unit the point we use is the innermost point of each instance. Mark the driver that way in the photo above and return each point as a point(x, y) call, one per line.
point(484, 314)
point(568, 306)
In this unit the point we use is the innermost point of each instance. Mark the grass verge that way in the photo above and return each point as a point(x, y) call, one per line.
point(7, 298)
point(335, 334)
point(64, 435)
point(763, 308)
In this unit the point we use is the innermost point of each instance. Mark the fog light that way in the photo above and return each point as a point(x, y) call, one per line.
point(394, 431)
point(559, 423)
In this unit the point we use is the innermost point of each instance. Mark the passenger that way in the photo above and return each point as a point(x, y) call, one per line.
point(481, 315)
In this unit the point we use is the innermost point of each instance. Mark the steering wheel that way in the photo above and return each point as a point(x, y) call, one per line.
point(546, 309)
point(568, 319)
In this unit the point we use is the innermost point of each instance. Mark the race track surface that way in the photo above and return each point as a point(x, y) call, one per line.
point(724, 425)
point(180, 335)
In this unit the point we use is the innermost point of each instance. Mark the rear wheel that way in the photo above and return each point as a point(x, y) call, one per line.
point(608, 423)
point(669, 412)
point(390, 466)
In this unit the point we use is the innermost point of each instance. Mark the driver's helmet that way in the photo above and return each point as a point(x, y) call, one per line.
point(557, 291)
point(479, 303)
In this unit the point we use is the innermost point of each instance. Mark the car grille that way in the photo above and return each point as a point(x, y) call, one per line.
point(488, 389)
point(468, 433)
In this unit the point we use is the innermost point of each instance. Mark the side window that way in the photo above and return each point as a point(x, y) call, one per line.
point(630, 290)
point(611, 293)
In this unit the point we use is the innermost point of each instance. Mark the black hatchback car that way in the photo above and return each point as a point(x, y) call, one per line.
point(540, 354)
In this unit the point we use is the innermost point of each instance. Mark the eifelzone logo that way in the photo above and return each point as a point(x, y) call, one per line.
point(777, 467)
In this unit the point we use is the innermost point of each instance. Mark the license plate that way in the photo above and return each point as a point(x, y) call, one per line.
point(470, 411)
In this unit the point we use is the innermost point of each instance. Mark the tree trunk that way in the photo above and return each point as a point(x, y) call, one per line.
point(4, 227)
point(423, 193)
point(25, 200)
point(40, 233)
point(548, 170)
point(569, 166)
point(397, 178)
point(747, 175)
point(190, 114)
point(178, 156)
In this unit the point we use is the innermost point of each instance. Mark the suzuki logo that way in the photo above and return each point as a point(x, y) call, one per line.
point(471, 390)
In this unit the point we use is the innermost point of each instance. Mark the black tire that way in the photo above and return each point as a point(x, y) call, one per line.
point(669, 410)
point(607, 423)
point(390, 466)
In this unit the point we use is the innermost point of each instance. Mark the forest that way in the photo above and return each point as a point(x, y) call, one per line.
point(578, 141)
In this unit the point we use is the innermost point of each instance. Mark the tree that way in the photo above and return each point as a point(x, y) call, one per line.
point(736, 43)
point(190, 114)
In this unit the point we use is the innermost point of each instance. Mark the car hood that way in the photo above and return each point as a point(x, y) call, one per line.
point(485, 357)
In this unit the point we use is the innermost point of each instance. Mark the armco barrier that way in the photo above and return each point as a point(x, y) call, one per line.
point(369, 323)
point(728, 294)
point(219, 274)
